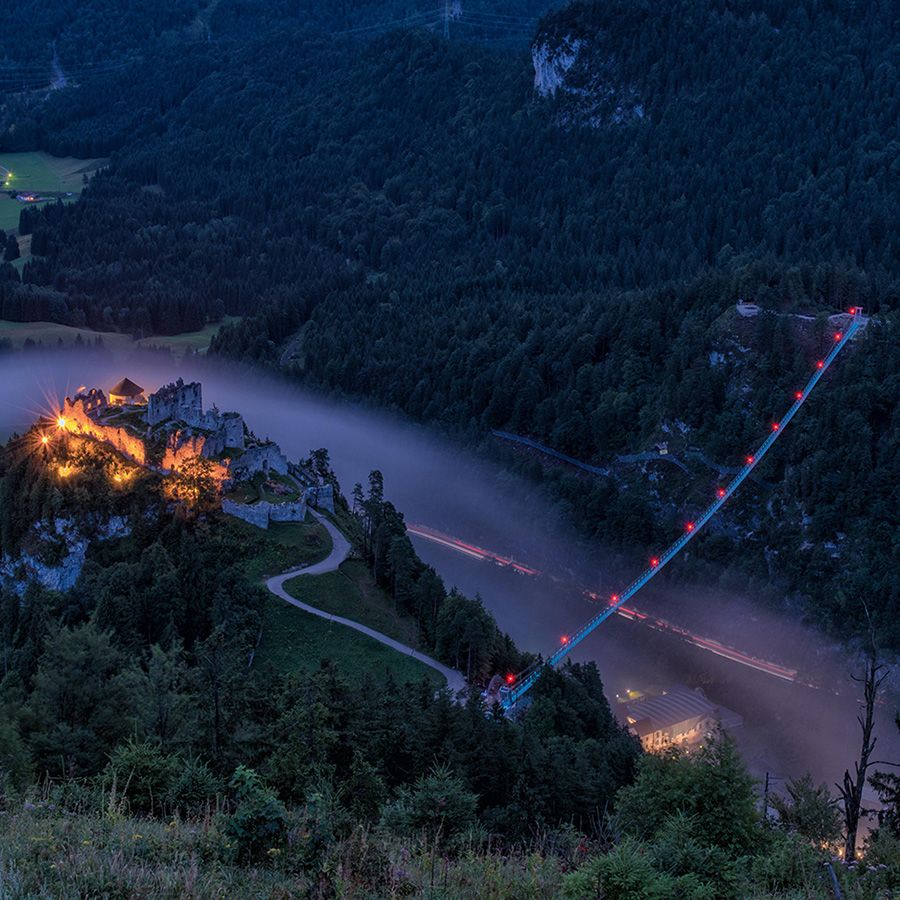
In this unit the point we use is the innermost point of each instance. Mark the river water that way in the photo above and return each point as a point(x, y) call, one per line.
point(788, 728)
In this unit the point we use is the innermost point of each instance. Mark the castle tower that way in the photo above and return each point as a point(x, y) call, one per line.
point(179, 402)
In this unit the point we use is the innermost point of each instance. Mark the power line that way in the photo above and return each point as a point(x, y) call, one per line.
point(391, 22)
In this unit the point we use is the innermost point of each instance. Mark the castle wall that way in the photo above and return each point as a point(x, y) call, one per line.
point(262, 458)
point(80, 421)
point(183, 446)
point(256, 514)
point(321, 497)
point(232, 427)
point(178, 401)
point(262, 513)
point(221, 432)
point(294, 511)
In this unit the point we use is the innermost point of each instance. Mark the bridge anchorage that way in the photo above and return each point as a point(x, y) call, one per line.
point(515, 687)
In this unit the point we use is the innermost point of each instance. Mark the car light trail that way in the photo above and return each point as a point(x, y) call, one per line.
point(446, 540)
point(626, 612)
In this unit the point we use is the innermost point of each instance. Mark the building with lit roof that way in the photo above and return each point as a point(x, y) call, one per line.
point(677, 717)
point(126, 392)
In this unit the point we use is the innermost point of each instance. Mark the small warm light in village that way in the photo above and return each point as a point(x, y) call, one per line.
point(45, 439)
point(61, 422)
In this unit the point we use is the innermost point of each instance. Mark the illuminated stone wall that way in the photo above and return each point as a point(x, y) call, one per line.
point(222, 434)
point(79, 415)
point(183, 446)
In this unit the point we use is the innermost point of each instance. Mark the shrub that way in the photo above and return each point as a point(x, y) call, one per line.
point(193, 787)
point(143, 774)
point(259, 821)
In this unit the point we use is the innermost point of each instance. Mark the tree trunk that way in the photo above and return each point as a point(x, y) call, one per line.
point(852, 788)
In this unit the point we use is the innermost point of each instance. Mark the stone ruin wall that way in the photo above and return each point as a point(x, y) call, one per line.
point(262, 513)
point(321, 497)
point(183, 446)
point(77, 413)
point(179, 401)
point(262, 458)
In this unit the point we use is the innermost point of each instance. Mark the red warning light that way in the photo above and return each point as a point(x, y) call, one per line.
point(510, 679)
point(837, 335)
point(689, 527)
point(820, 364)
point(614, 598)
point(798, 395)
point(775, 426)
point(720, 492)
point(654, 563)
point(565, 639)
point(751, 460)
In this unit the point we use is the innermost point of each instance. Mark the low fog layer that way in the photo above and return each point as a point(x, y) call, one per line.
point(788, 728)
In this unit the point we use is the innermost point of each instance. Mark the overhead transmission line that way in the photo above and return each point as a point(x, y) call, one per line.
point(512, 26)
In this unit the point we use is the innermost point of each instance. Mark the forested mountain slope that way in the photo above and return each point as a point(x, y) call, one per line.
point(407, 220)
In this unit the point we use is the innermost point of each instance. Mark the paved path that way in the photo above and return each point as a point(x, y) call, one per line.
point(340, 549)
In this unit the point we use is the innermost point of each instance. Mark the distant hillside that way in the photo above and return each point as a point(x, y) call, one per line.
point(411, 221)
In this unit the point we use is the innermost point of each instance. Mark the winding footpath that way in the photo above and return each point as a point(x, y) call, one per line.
point(340, 550)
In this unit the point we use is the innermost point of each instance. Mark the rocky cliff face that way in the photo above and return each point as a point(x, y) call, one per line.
point(551, 63)
point(55, 556)
point(582, 73)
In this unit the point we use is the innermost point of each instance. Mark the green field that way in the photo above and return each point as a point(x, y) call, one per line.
point(293, 640)
point(39, 171)
point(189, 341)
point(283, 546)
point(350, 592)
point(50, 334)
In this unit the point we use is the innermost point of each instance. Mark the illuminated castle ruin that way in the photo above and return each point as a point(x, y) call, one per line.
point(170, 428)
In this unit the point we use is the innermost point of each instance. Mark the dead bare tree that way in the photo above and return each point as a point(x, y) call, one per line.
point(852, 789)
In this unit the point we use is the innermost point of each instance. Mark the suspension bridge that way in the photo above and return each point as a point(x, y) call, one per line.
point(632, 614)
point(518, 686)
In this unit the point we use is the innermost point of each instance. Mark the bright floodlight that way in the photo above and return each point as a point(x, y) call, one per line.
point(61, 422)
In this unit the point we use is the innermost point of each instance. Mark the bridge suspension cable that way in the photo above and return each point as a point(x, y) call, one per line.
point(513, 692)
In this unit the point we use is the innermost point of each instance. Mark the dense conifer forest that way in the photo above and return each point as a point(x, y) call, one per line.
point(404, 220)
